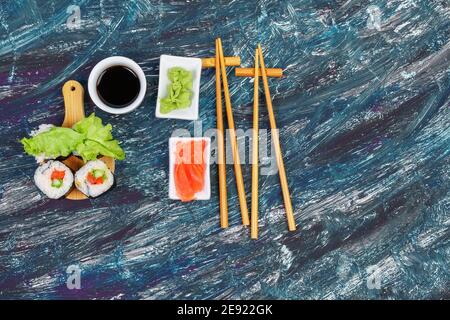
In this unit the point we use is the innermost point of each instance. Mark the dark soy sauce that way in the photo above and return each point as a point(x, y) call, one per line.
point(118, 86)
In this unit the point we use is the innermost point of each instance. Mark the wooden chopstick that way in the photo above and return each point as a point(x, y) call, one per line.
point(223, 202)
point(276, 142)
point(232, 131)
point(250, 72)
point(254, 209)
point(229, 62)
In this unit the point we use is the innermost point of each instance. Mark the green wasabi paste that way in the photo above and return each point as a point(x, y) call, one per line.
point(178, 92)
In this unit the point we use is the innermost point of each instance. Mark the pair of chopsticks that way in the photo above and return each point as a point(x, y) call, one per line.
point(221, 74)
point(259, 58)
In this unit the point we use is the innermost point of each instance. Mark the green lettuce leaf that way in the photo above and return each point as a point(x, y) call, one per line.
point(88, 137)
point(54, 143)
point(93, 129)
point(90, 149)
point(97, 139)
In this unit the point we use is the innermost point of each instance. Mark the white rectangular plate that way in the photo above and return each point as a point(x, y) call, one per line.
point(193, 65)
point(205, 194)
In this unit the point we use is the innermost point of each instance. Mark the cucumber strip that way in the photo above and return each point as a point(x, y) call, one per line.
point(57, 183)
point(97, 173)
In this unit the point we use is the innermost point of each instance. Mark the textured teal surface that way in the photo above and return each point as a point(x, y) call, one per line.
point(364, 117)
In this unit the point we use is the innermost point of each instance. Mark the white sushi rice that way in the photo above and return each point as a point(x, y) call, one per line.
point(93, 190)
point(42, 179)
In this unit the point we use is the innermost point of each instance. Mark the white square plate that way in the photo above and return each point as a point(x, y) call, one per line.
point(193, 65)
point(205, 194)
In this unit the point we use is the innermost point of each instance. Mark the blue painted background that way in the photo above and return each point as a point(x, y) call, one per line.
point(364, 114)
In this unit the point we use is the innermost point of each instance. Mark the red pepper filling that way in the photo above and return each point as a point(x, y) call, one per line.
point(92, 180)
point(58, 175)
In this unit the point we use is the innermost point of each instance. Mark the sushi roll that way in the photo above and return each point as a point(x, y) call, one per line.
point(54, 179)
point(94, 178)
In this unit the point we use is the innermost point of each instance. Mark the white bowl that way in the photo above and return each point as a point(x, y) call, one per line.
point(205, 194)
point(193, 65)
point(110, 62)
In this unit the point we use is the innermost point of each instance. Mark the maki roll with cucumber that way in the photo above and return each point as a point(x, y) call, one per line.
point(54, 179)
point(94, 178)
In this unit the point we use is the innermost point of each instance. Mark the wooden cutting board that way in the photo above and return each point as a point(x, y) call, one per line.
point(73, 94)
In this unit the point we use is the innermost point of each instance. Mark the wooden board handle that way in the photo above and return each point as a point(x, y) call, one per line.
point(229, 62)
point(73, 94)
point(250, 72)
